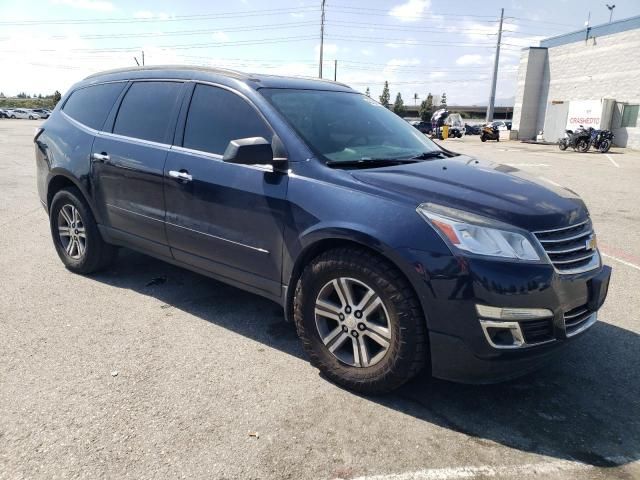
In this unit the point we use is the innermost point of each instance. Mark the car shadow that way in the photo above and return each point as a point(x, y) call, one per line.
point(584, 407)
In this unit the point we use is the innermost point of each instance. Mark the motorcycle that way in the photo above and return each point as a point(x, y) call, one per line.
point(579, 140)
point(601, 140)
point(490, 133)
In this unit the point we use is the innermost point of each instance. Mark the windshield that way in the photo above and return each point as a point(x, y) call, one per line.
point(347, 127)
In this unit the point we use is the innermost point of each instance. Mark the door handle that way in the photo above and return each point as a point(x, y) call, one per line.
point(100, 157)
point(182, 175)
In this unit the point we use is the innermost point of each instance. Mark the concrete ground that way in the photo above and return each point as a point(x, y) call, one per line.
point(120, 376)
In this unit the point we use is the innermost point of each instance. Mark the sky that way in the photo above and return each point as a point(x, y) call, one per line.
point(418, 46)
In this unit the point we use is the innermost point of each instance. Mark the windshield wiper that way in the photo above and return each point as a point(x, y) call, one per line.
point(371, 162)
point(427, 155)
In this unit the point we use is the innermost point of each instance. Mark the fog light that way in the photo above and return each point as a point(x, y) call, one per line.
point(502, 334)
point(498, 313)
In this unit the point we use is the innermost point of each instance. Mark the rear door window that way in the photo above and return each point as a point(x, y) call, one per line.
point(217, 116)
point(147, 110)
point(91, 105)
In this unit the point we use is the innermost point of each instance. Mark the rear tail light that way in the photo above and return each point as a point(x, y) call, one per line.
point(37, 134)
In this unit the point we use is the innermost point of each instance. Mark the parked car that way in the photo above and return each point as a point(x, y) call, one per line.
point(390, 253)
point(22, 113)
point(424, 127)
point(499, 124)
point(41, 112)
point(4, 113)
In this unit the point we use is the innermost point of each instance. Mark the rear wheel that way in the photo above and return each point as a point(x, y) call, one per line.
point(582, 146)
point(360, 321)
point(605, 145)
point(75, 233)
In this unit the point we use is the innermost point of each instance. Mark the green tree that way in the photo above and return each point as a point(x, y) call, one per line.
point(367, 92)
point(56, 97)
point(385, 98)
point(443, 100)
point(426, 108)
point(398, 106)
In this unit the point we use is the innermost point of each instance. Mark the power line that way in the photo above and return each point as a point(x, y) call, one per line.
point(173, 18)
point(181, 46)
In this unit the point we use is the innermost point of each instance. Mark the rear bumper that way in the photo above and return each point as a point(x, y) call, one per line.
point(460, 349)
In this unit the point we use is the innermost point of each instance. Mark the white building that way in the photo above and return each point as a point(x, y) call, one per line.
point(590, 77)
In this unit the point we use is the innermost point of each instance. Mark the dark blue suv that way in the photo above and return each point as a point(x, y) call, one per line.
point(390, 253)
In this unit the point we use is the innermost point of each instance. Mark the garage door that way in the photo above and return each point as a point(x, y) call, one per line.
point(555, 120)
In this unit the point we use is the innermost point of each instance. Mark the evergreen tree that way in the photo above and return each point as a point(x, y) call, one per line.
point(443, 100)
point(56, 97)
point(426, 108)
point(398, 106)
point(385, 98)
point(368, 92)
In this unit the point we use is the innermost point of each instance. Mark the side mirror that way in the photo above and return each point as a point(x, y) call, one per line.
point(249, 151)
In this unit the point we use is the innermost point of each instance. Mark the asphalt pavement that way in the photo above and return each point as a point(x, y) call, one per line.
point(151, 371)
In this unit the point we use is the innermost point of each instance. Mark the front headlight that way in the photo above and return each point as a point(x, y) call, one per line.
point(476, 234)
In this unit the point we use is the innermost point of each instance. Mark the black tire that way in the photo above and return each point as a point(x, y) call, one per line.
point(407, 350)
point(13, 116)
point(97, 253)
point(562, 144)
point(582, 146)
point(605, 146)
point(483, 138)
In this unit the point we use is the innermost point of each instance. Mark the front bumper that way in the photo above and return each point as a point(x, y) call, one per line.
point(453, 287)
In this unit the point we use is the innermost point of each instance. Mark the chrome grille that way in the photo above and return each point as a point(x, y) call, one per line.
point(570, 249)
point(577, 319)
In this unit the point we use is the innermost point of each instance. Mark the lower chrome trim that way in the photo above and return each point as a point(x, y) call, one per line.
point(257, 249)
point(588, 323)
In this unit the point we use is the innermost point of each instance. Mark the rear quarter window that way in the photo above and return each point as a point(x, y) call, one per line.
point(91, 105)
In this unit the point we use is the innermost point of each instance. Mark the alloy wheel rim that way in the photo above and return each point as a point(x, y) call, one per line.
point(353, 322)
point(72, 232)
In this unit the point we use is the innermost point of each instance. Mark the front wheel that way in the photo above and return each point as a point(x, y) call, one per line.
point(483, 138)
point(562, 144)
point(75, 233)
point(360, 321)
point(605, 145)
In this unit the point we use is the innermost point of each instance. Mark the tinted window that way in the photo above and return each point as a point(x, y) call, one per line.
point(346, 126)
point(91, 105)
point(146, 110)
point(217, 116)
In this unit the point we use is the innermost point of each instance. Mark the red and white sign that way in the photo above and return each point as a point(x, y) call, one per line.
point(584, 112)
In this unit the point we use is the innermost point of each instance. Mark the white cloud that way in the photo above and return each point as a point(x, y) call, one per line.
point(366, 52)
point(99, 5)
point(327, 49)
point(410, 11)
point(409, 43)
point(471, 60)
point(147, 14)
point(220, 37)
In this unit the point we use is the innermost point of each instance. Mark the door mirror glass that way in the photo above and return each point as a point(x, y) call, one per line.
point(249, 151)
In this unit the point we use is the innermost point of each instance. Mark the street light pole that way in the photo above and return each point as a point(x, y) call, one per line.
point(492, 97)
point(610, 7)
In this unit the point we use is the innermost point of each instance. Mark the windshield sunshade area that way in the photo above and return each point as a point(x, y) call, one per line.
point(348, 127)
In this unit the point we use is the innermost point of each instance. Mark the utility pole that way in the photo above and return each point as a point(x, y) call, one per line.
point(494, 80)
point(335, 70)
point(321, 38)
point(143, 58)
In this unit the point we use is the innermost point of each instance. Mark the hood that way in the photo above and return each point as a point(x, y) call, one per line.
point(493, 190)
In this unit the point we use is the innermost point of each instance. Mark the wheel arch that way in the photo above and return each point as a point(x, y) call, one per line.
point(60, 179)
point(321, 241)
